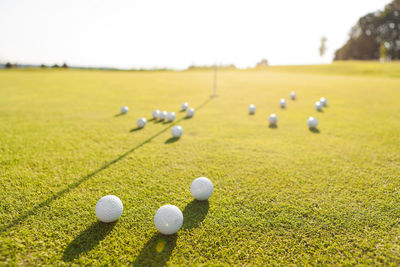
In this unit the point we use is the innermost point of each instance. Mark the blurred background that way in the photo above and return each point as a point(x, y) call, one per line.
point(177, 34)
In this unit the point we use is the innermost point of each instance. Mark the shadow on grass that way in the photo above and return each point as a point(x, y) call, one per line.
point(187, 117)
point(119, 114)
point(158, 250)
point(321, 110)
point(314, 130)
point(135, 129)
point(171, 140)
point(194, 213)
point(273, 126)
point(166, 122)
point(87, 240)
point(24, 215)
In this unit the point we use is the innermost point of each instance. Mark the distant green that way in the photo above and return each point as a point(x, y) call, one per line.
point(282, 195)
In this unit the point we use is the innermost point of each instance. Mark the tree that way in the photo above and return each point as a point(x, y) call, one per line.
point(43, 66)
point(64, 65)
point(370, 32)
point(55, 66)
point(263, 63)
point(322, 48)
point(8, 65)
point(383, 51)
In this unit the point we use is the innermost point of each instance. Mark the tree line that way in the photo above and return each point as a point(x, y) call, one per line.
point(375, 36)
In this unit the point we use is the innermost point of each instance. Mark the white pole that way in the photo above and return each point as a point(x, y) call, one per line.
point(215, 79)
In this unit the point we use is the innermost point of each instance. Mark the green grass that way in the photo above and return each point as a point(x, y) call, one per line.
point(282, 196)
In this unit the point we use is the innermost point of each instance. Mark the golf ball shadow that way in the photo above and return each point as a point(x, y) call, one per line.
point(172, 140)
point(194, 213)
point(87, 240)
point(273, 126)
point(135, 129)
point(314, 130)
point(157, 251)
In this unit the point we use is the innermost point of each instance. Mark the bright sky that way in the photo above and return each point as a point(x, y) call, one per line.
point(175, 33)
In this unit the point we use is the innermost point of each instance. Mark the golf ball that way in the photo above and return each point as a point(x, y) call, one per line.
point(282, 103)
point(201, 188)
point(312, 122)
point(168, 219)
point(124, 109)
point(171, 116)
point(185, 105)
point(109, 208)
point(141, 122)
point(293, 95)
point(318, 106)
point(324, 101)
point(273, 119)
point(177, 131)
point(155, 114)
point(190, 112)
point(163, 115)
point(252, 109)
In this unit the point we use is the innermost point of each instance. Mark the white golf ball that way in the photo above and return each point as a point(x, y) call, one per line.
point(155, 114)
point(324, 101)
point(177, 131)
point(163, 115)
point(171, 116)
point(273, 119)
point(190, 112)
point(109, 208)
point(252, 109)
point(318, 106)
point(312, 122)
point(293, 95)
point(201, 188)
point(185, 106)
point(124, 109)
point(141, 122)
point(282, 103)
point(168, 219)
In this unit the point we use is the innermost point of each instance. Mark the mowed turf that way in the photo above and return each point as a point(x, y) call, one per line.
point(282, 195)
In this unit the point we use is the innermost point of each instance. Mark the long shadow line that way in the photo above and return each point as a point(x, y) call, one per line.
point(69, 188)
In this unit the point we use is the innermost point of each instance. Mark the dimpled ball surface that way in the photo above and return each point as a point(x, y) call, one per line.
point(273, 119)
point(155, 114)
point(185, 105)
point(318, 106)
point(109, 208)
point(293, 95)
point(168, 219)
point(124, 109)
point(171, 116)
point(190, 112)
point(201, 188)
point(252, 109)
point(177, 131)
point(282, 103)
point(141, 122)
point(312, 122)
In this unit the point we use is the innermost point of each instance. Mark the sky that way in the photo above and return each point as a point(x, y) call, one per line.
point(175, 33)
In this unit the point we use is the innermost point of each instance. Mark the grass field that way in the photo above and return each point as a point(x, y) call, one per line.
point(282, 195)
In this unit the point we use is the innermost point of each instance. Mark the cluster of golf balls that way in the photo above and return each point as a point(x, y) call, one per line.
point(273, 119)
point(163, 115)
point(323, 102)
point(168, 218)
point(176, 131)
